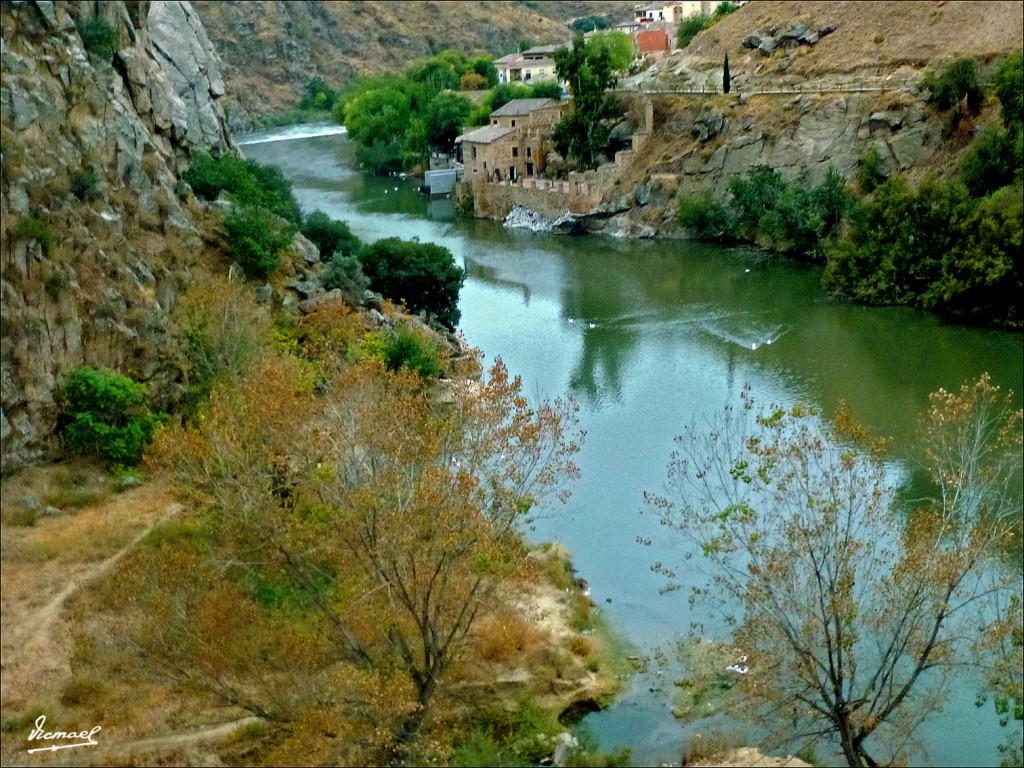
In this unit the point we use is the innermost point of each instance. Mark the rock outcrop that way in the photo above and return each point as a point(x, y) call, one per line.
point(97, 234)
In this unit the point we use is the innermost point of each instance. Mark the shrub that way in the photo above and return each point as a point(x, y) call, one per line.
point(404, 348)
point(98, 37)
point(982, 273)
point(104, 414)
point(85, 184)
point(256, 238)
point(471, 81)
point(787, 217)
point(869, 171)
point(894, 248)
point(692, 26)
point(330, 235)
point(549, 89)
point(992, 161)
point(423, 275)
point(704, 216)
point(957, 82)
point(248, 183)
point(346, 274)
point(32, 228)
point(1008, 84)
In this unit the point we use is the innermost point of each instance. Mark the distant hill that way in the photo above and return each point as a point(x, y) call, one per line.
point(872, 35)
point(272, 49)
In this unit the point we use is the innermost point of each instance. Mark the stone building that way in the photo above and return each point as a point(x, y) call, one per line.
point(513, 145)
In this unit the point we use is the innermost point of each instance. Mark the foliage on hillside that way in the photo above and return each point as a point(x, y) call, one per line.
point(270, 49)
point(952, 246)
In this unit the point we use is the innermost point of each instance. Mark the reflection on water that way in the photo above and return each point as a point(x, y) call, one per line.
point(651, 336)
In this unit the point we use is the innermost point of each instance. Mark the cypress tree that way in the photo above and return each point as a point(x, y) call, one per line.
point(725, 75)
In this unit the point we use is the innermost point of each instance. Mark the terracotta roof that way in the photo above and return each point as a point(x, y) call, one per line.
point(518, 107)
point(485, 135)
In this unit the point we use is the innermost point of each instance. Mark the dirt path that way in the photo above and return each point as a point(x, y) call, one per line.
point(45, 565)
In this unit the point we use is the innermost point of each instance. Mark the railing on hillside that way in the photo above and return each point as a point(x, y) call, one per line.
point(770, 90)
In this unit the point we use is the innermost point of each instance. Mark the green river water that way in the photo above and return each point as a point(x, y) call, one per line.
point(650, 335)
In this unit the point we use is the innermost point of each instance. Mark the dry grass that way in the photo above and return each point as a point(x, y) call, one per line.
point(45, 564)
point(911, 33)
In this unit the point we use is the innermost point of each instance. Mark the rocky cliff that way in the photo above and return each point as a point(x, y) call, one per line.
point(96, 240)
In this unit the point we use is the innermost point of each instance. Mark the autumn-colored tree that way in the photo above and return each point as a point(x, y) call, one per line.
point(851, 611)
point(392, 517)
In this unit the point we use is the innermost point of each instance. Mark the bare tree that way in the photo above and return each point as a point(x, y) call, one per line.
point(851, 608)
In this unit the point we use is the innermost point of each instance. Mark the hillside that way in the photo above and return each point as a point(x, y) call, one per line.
point(868, 41)
point(869, 70)
point(271, 50)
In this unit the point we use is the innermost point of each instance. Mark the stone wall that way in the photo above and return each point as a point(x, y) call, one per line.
point(548, 198)
point(91, 151)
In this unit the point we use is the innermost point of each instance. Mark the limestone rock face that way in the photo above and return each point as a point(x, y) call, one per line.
point(95, 244)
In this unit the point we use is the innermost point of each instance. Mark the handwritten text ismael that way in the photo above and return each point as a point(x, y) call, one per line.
point(39, 733)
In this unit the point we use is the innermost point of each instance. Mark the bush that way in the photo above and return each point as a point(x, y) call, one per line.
point(894, 249)
point(423, 275)
point(85, 184)
point(549, 89)
point(787, 217)
point(1008, 83)
point(104, 414)
point(869, 171)
point(692, 26)
point(704, 216)
point(256, 238)
point(993, 160)
point(404, 348)
point(98, 37)
point(982, 273)
point(330, 235)
point(471, 81)
point(33, 228)
point(346, 274)
point(248, 183)
point(957, 82)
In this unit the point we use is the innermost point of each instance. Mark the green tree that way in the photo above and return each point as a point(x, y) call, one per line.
point(589, 24)
point(502, 94)
point(894, 247)
point(619, 46)
point(376, 121)
point(690, 27)
point(257, 239)
point(849, 612)
point(583, 134)
point(446, 115)
point(423, 275)
point(548, 89)
point(982, 276)
point(247, 182)
point(1008, 84)
point(330, 235)
point(993, 160)
point(484, 66)
point(726, 79)
point(104, 414)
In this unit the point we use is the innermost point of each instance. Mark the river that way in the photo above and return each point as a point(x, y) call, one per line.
point(650, 335)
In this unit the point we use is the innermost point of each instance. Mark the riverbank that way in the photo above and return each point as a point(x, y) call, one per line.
point(544, 649)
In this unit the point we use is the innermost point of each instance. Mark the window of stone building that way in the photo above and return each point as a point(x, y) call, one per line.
point(474, 153)
point(529, 152)
point(515, 151)
point(513, 123)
